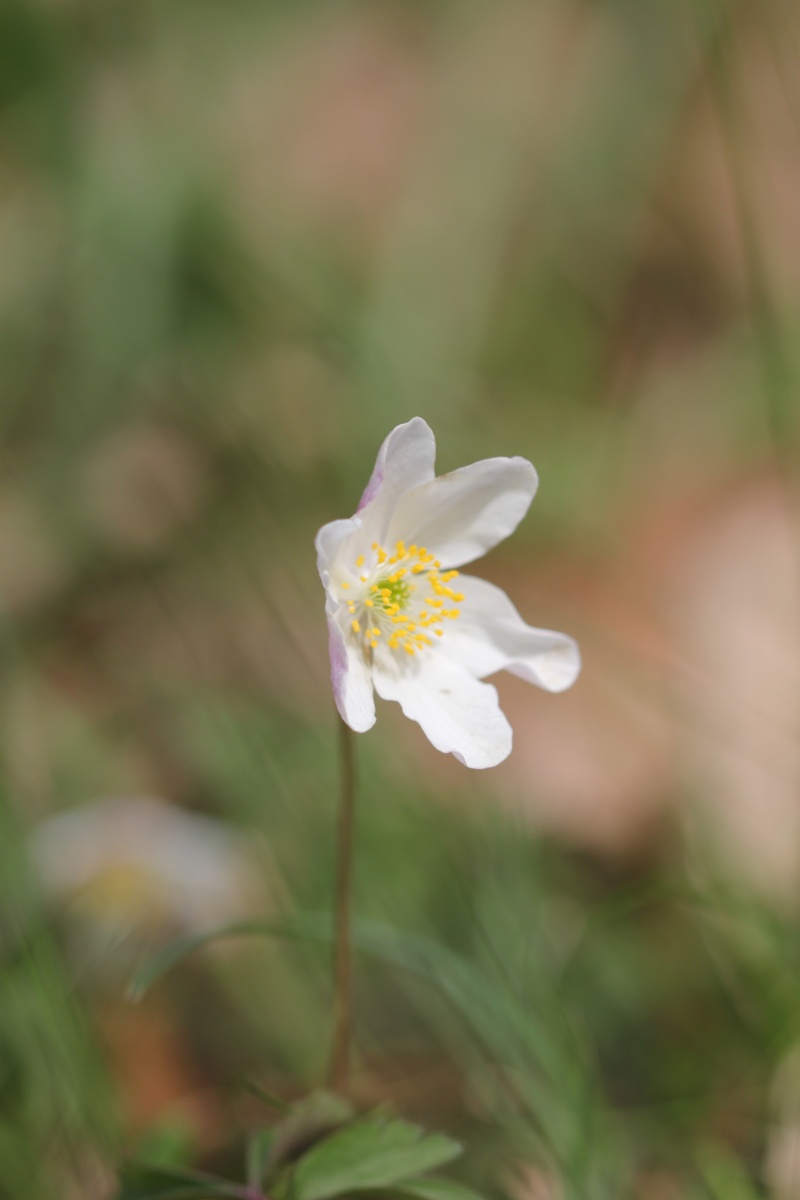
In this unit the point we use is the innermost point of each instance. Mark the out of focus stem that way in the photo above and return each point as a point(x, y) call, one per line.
point(339, 1066)
point(775, 363)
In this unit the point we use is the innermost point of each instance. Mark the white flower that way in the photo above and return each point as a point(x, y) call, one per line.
point(133, 863)
point(404, 621)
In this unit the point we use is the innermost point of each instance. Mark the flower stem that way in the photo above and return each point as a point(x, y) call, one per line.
point(339, 1067)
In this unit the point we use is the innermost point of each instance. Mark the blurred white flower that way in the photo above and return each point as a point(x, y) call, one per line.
point(133, 864)
point(401, 618)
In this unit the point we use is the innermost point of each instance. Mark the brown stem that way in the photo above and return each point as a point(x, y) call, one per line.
point(339, 1067)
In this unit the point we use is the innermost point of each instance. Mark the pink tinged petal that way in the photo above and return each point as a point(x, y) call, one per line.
point(458, 714)
point(404, 461)
point(460, 516)
point(490, 636)
point(352, 683)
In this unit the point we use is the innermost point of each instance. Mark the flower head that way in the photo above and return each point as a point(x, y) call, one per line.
point(404, 621)
point(132, 865)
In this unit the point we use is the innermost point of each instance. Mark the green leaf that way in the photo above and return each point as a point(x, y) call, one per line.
point(173, 1192)
point(258, 1148)
point(145, 1182)
point(310, 1121)
point(724, 1176)
point(370, 1153)
point(436, 1189)
point(268, 1098)
point(181, 947)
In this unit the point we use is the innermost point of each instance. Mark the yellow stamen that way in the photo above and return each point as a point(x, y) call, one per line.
point(402, 612)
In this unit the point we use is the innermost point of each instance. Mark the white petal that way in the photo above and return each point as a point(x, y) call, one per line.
point(404, 461)
point(457, 713)
point(330, 542)
point(490, 636)
point(462, 515)
point(351, 679)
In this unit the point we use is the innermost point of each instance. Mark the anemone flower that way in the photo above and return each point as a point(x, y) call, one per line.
point(405, 623)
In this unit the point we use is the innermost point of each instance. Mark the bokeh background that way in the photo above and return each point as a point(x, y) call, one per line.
point(239, 242)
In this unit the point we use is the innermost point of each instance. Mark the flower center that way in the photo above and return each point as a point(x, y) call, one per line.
point(391, 592)
point(406, 597)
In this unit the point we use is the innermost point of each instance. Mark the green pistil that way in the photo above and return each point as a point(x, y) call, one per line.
point(399, 593)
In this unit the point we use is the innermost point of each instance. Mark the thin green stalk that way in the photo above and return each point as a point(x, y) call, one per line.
point(339, 1066)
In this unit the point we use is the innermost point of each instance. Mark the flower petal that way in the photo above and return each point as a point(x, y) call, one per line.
point(329, 543)
point(490, 636)
point(351, 679)
point(462, 515)
point(404, 461)
point(458, 714)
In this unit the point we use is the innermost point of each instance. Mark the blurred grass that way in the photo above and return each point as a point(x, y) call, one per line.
point(239, 243)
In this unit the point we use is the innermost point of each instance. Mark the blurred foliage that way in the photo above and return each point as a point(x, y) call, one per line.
point(239, 243)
